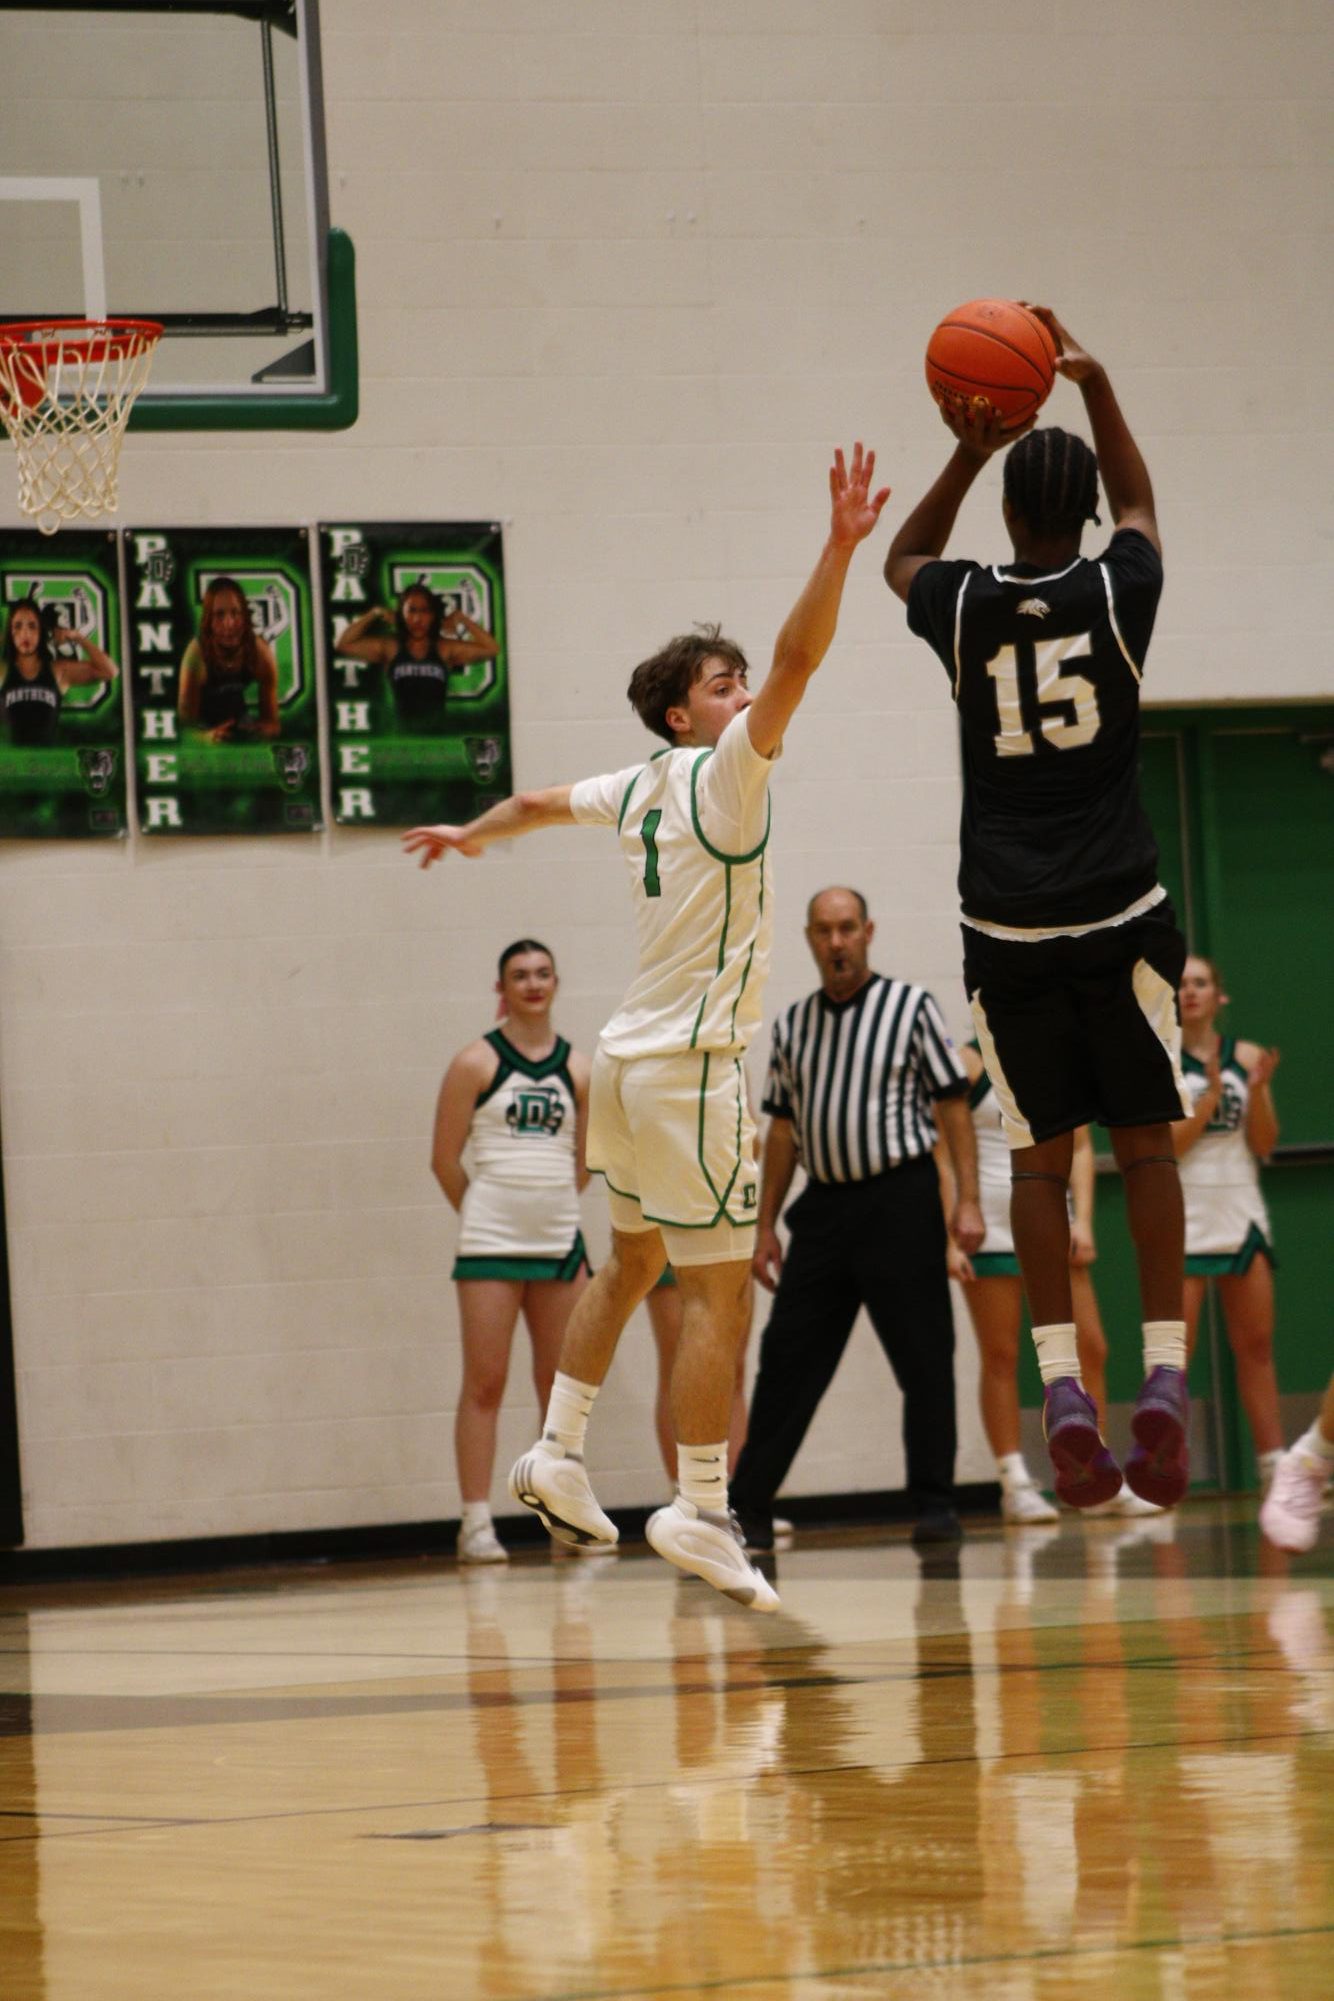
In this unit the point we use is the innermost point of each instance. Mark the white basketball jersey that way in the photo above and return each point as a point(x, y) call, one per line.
point(693, 827)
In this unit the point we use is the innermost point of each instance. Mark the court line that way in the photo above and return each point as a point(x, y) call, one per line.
point(618, 1787)
point(959, 1964)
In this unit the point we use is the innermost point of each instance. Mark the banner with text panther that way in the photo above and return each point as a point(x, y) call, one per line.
point(417, 662)
point(222, 675)
point(62, 728)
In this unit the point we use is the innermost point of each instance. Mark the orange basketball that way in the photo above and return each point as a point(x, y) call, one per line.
point(992, 352)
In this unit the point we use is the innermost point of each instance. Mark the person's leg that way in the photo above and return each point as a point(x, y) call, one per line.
point(696, 1531)
point(1291, 1511)
point(547, 1306)
point(1090, 1340)
point(995, 1307)
point(488, 1310)
point(900, 1267)
point(551, 1478)
point(664, 1317)
point(1192, 1299)
point(800, 1349)
point(1247, 1300)
point(1158, 1468)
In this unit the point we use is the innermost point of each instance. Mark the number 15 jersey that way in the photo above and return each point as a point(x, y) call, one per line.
point(1045, 670)
point(693, 827)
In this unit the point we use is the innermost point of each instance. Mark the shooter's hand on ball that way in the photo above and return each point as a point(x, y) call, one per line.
point(434, 843)
point(980, 428)
point(1071, 359)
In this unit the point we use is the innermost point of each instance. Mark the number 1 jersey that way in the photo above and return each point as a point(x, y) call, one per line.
point(693, 827)
point(1045, 670)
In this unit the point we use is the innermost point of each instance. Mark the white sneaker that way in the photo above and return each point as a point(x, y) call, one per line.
point(481, 1544)
point(710, 1546)
point(1127, 1502)
point(1290, 1516)
point(554, 1484)
point(1026, 1504)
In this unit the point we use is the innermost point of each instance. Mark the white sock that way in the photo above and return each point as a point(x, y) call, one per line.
point(1057, 1353)
point(1164, 1344)
point(476, 1515)
point(701, 1475)
point(567, 1413)
point(1314, 1445)
point(1013, 1472)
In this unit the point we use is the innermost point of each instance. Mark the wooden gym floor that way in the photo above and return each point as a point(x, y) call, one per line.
point(1088, 1761)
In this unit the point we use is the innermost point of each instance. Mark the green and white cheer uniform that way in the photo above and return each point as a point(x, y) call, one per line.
point(1226, 1218)
point(521, 1207)
point(669, 1124)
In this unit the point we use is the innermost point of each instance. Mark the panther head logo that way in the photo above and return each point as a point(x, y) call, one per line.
point(291, 761)
point(484, 754)
point(97, 768)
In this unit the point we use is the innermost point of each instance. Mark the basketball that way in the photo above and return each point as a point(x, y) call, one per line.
point(992, 352)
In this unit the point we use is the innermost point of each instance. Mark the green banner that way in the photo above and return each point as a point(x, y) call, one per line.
point(223, 680)
point(416, 656)
point(62, 729)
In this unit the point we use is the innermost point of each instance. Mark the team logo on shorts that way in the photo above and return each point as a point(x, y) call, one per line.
point(483, 753)
point(97, 768)
point(1034, 608)
point(748, 1195)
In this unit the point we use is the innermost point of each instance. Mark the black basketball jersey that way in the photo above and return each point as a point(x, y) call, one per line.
point(31, 708)
point(421, 689)
point(222, 699)
point(1045, 670)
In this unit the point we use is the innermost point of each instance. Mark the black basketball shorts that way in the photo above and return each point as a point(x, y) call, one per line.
point(1080, 1029)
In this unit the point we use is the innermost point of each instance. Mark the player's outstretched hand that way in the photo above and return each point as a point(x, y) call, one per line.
point(434, 843)
point(855, 509)
point(1071, 359)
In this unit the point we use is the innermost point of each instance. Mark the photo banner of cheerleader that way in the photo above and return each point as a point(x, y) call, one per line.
point(418, 672)
point(62, 736)
point(223, 680)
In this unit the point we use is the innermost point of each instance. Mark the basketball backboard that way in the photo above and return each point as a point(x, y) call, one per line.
point(167, 163)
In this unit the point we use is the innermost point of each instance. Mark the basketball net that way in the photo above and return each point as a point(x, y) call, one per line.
point(66, 391)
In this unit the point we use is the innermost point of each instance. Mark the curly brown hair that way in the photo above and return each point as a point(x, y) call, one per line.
point(664, 681)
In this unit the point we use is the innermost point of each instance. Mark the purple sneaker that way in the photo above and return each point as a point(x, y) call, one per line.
point(1086, 1472)
point(1158, 1468)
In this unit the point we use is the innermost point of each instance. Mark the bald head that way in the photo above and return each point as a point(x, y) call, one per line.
point(839, 934)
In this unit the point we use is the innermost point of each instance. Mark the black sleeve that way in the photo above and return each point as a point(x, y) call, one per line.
point(1135, 570)
point(932, 600)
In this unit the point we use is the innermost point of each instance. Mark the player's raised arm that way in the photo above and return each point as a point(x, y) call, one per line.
point(1125, 477)
point(810, 625)
point(925, 532)
point(524, 813)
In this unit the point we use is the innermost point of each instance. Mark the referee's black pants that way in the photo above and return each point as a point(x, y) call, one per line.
point(878, 1244)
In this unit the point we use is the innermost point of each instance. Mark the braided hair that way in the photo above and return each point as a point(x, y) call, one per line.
point(1051, 482)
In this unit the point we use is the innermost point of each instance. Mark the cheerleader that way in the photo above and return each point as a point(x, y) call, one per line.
point(519, 1098)
point(1228, 1239)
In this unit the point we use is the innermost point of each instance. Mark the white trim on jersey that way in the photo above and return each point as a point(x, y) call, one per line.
point(1111, 620)
point(1033, 935)
point(1002, 577)
point(958, 633)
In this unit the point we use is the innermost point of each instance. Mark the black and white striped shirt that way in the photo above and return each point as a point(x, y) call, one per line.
point(857, 1078)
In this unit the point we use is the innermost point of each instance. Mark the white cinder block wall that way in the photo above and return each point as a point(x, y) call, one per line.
point(627, 270)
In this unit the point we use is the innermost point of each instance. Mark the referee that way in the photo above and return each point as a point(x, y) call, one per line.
point(858, 1074)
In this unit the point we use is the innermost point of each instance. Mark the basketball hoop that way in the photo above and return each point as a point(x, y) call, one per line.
point(66, 391)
